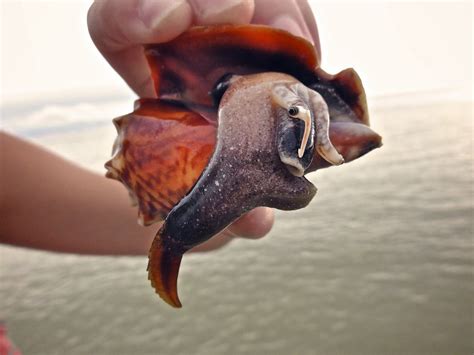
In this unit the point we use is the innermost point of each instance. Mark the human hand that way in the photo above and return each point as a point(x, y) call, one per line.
point(119, 28)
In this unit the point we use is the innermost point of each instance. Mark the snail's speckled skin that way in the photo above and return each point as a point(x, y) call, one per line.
point(245, 170)
point(244, 112)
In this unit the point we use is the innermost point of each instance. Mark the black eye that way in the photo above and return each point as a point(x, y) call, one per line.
point(293, 111)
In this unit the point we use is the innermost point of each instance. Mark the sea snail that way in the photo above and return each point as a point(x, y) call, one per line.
point(244, 112)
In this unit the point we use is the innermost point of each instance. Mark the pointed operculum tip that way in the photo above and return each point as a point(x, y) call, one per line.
point(163, 269)
point(330, 154)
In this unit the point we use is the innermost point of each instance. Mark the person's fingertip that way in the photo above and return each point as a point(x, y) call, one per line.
point(211, 12)
point(95, 24)
point(255, 224)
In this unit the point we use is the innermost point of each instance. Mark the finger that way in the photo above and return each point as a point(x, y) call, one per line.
point(294, 16)
point(211, 12)
point(255, 224)
point(117, 24)
point(119, 28)
point(216, 242)
point(310, 22)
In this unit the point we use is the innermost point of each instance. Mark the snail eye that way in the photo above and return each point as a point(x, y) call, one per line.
point(293, 111)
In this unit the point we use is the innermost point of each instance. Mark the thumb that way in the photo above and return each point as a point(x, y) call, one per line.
point(118, 28)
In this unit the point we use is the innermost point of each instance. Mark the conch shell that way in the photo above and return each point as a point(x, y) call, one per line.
point(244, 112)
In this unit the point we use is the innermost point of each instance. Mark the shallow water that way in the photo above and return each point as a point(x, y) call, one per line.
point(381, 262)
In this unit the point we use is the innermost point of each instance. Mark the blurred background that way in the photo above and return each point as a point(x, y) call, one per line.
point(380, 262)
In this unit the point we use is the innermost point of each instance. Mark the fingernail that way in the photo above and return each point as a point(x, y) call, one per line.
point(287, 23)
point(209, 12)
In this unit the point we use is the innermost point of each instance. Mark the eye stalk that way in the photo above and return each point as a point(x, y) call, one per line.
point(314, 112)
point(303, 114)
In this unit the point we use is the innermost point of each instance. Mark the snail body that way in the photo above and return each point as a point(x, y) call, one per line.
point(230, 133)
